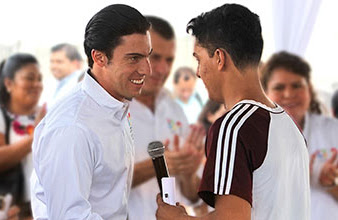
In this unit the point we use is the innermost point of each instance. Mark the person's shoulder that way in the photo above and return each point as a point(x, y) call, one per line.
point(165, 97)
point(167, 105)
point(323, 121)
point(246, 119)
point(62, 135)
point(60, 140)
point(68, 109)
point(247, 112)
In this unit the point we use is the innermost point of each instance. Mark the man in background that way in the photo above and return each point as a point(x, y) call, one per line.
point(155, 116)
point(66, 66)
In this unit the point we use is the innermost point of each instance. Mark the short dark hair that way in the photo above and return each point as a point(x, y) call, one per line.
point(9, 68)
point(187, 72)
point(233, 28)
point(162, 27)
point(294, 64)
point(71, 51)
point(334, 103)
point(105, 29)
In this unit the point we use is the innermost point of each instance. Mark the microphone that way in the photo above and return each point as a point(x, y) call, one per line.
point(156, 151)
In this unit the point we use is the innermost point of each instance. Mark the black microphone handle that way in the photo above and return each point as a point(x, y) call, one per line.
point(160, 169)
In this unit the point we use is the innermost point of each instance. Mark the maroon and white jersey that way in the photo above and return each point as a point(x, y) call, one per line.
point(258, 154)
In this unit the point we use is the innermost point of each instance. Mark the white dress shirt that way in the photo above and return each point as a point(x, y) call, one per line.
point(83, 155)
point(321, 135)
point(167, 120)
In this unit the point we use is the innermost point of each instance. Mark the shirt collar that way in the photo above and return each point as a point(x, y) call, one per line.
point(103, 98)
point(276, 109)
point(163, 93)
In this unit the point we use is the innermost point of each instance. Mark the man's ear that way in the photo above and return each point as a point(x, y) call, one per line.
point(221, 57)
point(99, 58)
point(8, 84)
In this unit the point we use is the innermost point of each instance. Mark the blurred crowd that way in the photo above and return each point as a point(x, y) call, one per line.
point(180, 118)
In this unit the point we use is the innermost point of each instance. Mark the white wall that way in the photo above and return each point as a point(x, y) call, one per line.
point(36, 25)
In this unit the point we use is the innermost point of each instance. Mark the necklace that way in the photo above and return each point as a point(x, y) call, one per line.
point(21, 129)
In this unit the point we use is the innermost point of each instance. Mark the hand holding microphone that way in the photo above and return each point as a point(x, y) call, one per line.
point(165, 183)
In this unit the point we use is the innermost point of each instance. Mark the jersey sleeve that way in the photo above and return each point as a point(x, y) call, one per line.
point(235, 148)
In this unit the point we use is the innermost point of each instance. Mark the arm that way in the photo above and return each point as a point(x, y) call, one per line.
point(189, 187)
point(13, 213)
point(185, 161)
point(180, 163)
point(334, 192)
point(227, 207)
point(143, 171)
point(65, 164)
point(11, 155)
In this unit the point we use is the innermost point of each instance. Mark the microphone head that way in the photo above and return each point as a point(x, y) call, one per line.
point(155, 149)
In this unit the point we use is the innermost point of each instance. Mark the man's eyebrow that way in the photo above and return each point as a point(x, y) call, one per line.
point(135, 54)
point(195, 54)
point(139, 54)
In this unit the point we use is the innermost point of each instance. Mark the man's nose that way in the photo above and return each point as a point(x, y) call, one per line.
point(288, 93)
point(145, 67)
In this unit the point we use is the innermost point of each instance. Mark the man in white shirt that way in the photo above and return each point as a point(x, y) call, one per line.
point(66, 67)
point(83, 149)
point(157, 117)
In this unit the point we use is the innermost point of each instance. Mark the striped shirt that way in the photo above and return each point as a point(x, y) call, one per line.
point(258, 154)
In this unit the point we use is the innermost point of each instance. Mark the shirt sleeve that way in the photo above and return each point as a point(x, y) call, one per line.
point(235, 148)
point(227, 174)
point(65, 166)
point(2, 123)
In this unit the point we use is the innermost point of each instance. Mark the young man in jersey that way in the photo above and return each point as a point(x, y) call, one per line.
point(257, 161)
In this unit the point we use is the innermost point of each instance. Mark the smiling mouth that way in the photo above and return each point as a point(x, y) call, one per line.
point(137, 81)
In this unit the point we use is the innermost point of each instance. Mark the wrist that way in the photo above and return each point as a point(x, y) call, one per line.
point(186, 217)
point(186, 177)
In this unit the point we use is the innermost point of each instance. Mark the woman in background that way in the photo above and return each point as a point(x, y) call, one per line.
point(210, 113)
point(20, 90)
point(286, 80)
